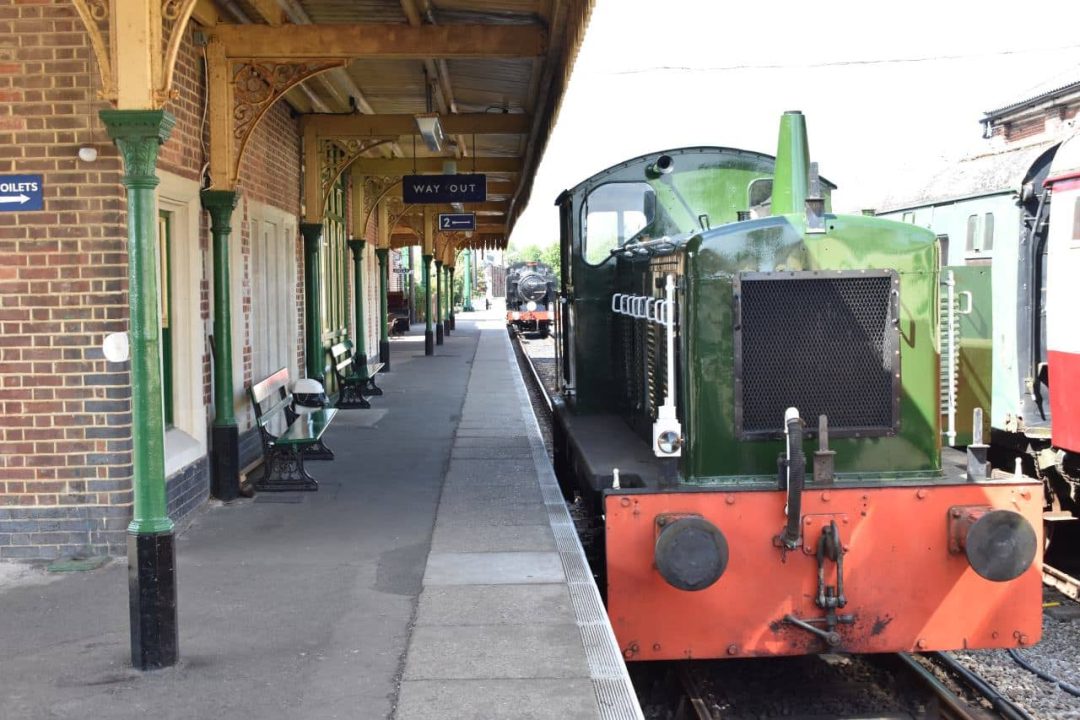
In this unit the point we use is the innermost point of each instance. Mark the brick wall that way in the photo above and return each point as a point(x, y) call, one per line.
point(65, 423)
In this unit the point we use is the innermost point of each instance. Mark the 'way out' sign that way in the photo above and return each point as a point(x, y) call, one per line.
point(20, 192)
point(418, 189)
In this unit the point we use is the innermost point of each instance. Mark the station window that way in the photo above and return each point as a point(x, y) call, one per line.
point(943, 243)
point(988, 232)
point(164, 248)
point(334, 266)
point(908, 217)
point(1076, 221)
point(972, 233)
point(615, 213)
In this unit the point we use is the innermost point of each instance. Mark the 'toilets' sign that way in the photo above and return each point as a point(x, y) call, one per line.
point(19, 193)
point(427, 189)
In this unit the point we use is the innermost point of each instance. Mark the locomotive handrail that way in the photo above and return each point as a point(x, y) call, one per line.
point(615, 302)
point(640, 302)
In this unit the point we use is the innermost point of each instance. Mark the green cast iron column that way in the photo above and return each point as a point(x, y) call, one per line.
point(383, 256)
point(151, 551)
point(438, 303)
point(357, 247)
point(449, 303)
point(312, 233)
point(225, 461)
point(466, 285)
point(429, 336)
point(452, 326)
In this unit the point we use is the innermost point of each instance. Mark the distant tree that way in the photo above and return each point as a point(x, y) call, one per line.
point(548, 254)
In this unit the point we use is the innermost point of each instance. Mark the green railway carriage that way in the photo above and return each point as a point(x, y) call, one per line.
point(719, 325)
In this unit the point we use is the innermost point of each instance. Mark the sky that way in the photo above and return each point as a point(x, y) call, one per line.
point(887, 88)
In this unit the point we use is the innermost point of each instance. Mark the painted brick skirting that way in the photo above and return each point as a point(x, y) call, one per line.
point(48, 533)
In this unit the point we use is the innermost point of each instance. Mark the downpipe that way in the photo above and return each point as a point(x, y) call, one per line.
point(796, 478)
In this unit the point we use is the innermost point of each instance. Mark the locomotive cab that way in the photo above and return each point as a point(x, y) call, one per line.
point(749, 402)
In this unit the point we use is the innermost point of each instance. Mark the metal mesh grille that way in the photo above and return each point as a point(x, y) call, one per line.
point(825, 344)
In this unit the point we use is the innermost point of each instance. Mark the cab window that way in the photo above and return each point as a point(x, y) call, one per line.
point(613, 214)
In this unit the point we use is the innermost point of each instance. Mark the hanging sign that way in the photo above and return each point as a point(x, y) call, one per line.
point(19, 193)
point(457, 221)
point(420, 189)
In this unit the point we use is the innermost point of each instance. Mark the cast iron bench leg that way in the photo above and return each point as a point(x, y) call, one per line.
point(285, 471)
point(351, 396)
point(317, 451)
point(370, 388)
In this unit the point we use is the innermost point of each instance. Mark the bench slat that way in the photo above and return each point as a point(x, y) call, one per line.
point(263, 390)
point(307, 429)
point(266, 416)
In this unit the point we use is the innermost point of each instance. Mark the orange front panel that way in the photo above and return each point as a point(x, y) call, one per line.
point(906, 591)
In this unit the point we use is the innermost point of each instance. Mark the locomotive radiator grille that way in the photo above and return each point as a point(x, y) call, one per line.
point(823, 342)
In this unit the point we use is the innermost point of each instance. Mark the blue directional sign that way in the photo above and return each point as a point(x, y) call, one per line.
point(457, 221)
point(19, 193)
point(420, 189)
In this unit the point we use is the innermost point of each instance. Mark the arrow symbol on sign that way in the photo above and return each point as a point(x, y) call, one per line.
point(21, 199)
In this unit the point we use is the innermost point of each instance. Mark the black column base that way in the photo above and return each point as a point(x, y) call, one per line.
point(438, 333)
point(384, 355)
point(225, 460)
point(152, 600)
point(429, 343)
point(446, 327)
point(453, 325)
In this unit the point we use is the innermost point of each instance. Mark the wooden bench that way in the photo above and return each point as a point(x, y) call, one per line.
point(397, 325)
point(355, 377)
point(301, 440)
point(397, 312)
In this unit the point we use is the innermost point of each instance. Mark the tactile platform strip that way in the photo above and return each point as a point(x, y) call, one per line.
point(611, 682)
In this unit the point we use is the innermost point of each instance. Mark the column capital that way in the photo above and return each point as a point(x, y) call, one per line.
point(382, 253)
point(312, 233)
point(220, 204)
point(438, 263)
point(138, 133)
point(357, 247)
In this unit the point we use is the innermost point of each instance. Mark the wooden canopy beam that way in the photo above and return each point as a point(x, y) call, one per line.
point(406, 166)
point(356, 125)
point(285, 43)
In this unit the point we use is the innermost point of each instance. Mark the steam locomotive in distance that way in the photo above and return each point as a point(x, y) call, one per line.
point(530, 297)
point(748, 404)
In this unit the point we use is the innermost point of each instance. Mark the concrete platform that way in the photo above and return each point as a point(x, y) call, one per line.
point(436, 574)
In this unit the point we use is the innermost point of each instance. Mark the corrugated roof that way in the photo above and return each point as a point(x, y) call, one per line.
point(974, 176)
point(1063, 83)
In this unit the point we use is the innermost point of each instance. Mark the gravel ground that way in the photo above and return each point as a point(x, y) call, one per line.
point(1057, 655)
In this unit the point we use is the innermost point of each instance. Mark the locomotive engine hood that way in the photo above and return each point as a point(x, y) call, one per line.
point(532, 286)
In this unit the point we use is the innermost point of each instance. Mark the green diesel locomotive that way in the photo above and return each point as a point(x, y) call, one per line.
point(749, 400)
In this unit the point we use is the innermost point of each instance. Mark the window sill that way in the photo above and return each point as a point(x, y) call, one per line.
point(180, 450)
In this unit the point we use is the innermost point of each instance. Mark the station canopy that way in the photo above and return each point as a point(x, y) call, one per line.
point(376, 71)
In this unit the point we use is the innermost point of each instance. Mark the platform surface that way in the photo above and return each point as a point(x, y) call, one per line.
point(436, 574)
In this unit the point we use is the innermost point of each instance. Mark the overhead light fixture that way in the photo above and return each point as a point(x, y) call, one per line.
point(431, 131)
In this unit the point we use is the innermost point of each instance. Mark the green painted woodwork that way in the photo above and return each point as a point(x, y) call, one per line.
point(426, 269)
point(975, 378)
point(165, 255)
point(450, 310)
point(314, 361)
point(383, 256)
point(220, 204)
point(466, 286)
point(357, 247)
point(306, 429)
point(439, 290)
point(138, 135)
point(792, 164)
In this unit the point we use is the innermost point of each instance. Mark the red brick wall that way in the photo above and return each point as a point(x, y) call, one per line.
point(65, 424)
point(64, 412)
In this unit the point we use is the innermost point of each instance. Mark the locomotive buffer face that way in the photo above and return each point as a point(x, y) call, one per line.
point(530, 294)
